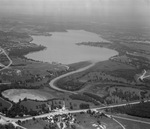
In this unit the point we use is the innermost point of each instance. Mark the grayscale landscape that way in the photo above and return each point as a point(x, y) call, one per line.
point(74, 64)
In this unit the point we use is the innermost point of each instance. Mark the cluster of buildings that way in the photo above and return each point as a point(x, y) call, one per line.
point(62, 119)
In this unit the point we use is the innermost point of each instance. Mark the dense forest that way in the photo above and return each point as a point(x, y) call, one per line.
point(139, 110)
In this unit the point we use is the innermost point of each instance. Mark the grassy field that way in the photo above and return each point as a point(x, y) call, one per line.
point(36, 124)
point(29, 73)
point(69, 103)
point(133, 125)
point(35, 105)
point(4, 104)
point(78, 65)
point(101, 72)
point(112, 79)
point(83, 121)
point(86, 122)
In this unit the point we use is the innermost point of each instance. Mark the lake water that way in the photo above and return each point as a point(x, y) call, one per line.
point(20, 94)
point(61, 48)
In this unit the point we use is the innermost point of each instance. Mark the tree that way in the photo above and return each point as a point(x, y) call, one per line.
point(33, 118)
point(73, 127)
point(61, 125)
point(84, 106)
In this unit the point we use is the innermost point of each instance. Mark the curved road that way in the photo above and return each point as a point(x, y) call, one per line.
point(53, 82)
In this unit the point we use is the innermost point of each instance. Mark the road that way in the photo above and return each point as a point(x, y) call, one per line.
point(53, 82)
point(12, 120)
point(5, 67)
point(7, 102)
point(10, 61)
point(119, 123)
point(125, 118)
point(64, 112)
point(129, 119)
point(143, 75)
point(16, 125)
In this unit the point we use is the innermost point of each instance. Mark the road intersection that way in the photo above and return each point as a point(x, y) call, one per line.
point(144, 75)
point(2, 51)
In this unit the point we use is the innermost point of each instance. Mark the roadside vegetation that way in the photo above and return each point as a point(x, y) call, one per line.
point(139, 110)
point(8, 126)
point(4, 104)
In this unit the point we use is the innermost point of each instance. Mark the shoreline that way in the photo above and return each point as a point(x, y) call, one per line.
point(86, 65)
point(86, 60)
point(53, 82)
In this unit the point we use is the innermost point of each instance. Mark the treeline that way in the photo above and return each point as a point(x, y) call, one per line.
point(127, 74)
point(70, 85)
point(96, 97)
point(126, 95)
point(16, 86)
point(8, 126)
point(142, 62)
point(5, 35)
point(25, 50)
point(84, 106)
point(85, 98)
point(20, 110)
point(139, 110)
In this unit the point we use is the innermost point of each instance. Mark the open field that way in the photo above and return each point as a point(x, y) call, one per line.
point(133, 125)
point(137, 110)
point(101, 72)
point(30, 74)
point(37, 124)
point(106, 72)
point(78, 65)
point(4, 61)
point(83, 121)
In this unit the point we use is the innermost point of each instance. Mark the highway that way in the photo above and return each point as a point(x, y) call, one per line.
point(63, 112)
point(60, 112)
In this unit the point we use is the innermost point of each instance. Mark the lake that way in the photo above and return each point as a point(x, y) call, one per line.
point(62, 48)
point(20, 94)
